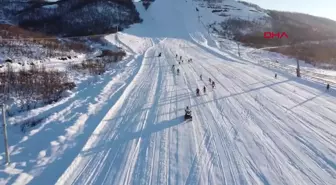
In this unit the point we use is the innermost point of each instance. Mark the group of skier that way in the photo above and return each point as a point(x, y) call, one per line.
point(181, 61)
point(187, 110)
point(213, 84)
point(177, 70)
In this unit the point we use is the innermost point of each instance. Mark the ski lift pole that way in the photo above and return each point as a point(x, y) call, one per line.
point(4, 126)
point(298, 74)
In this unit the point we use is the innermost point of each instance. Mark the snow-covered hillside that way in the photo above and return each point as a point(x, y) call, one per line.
point(215, 14)
point(228, 9)
point(127, 126)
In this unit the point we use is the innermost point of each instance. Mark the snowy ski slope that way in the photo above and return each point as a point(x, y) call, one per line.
point(128, 127)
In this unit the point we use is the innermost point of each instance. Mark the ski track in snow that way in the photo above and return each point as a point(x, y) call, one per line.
point(127, 127)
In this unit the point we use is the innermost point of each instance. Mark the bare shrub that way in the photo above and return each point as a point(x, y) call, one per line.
point(93, 67)
point(113, 56)
point(33, 86)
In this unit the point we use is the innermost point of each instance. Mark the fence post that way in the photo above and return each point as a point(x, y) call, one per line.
point(5, 132)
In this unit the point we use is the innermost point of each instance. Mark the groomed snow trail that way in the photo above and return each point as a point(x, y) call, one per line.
point(250, 129)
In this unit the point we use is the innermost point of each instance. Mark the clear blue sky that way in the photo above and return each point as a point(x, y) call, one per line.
point(322, 8)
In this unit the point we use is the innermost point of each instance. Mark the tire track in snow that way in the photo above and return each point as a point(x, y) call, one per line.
point(164, 142)
point(229, 145)
point(197, 157)
point(247, 72)
point(293, 99)
point(218, 129)
point(148, 121)
point(303, 119)
point(158, 140)
point(256, 171)
point(118, 105)
point(211, 135)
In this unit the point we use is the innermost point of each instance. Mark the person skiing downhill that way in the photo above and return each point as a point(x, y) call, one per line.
point(176, 56)
point(180, 57)
point(197, 92)
point(178, 71)
point(201, 77)
point(204, 89)
point(213, 84)
point(210, 80)
point(328, 87)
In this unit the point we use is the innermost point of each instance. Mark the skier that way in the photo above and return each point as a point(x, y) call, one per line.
point(182, 61)
point(176, 56)
point(201, 77)
point(213, 84)
point(179, 62)
point(187, 114)
point(159, 55)
point(173, 68)
point(276, 75)
point(197, 91)
point(210, 80)
point(180, 57)
point(178, 71)
point(204, 89)
point(328, 87)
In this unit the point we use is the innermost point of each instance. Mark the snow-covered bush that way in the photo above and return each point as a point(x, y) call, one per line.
point(32, 87)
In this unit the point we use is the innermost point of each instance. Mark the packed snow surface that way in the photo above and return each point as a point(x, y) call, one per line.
point(127, 126)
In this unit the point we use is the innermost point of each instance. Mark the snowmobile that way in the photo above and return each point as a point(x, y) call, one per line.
point(197, 92)
point(187, 115)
